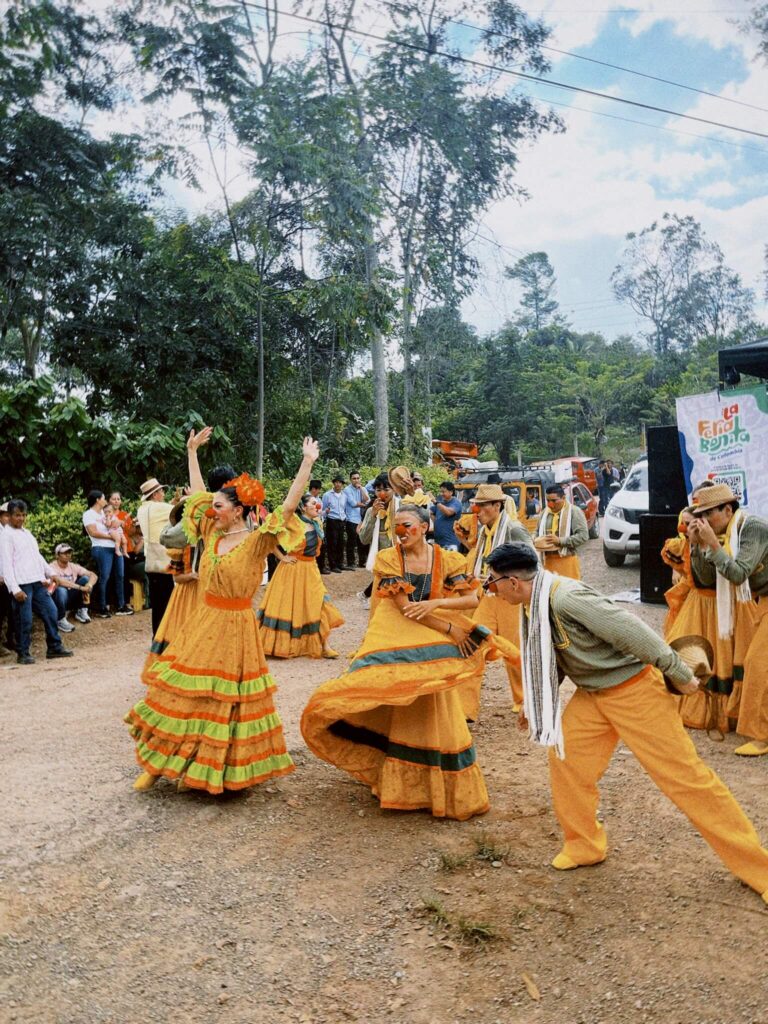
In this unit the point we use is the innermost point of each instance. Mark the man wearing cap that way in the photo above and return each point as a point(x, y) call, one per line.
point(26, 576)
point(495, 527)
point(729, 550)
point(73, 585)
point(152, 516)
point(616, 663)
point(334, 508)
point(562, 529)
point(6, 603)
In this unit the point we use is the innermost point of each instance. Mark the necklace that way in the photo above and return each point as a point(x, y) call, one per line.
point(230, 533)
point(426, 577)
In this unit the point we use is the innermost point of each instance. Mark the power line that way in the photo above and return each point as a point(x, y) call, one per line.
point(592, 60)
point(486, 66)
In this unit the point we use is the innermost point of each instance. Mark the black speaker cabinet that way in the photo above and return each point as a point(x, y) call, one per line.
point(666, 483)
point(655, 576)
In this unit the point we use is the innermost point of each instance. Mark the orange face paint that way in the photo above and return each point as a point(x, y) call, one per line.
point(475, 509)
point(209, 513)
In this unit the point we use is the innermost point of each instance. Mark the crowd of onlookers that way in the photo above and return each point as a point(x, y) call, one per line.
point(129, 563)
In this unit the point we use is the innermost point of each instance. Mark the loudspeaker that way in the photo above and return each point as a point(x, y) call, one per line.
point(666, 483)
point(655, 575)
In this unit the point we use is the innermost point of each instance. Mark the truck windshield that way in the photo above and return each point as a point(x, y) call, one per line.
point(637, 479)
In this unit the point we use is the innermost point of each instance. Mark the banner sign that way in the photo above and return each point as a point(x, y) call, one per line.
point(724, 437)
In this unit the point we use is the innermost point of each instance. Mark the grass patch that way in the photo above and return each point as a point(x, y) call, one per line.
point(465, 930)
point(488, 848)
point(436, 911)
point(453, 861)
point(475, 932)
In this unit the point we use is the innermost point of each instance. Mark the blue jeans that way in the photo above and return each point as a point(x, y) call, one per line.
point(69, 600)
point(108, 563)
point(41, 602)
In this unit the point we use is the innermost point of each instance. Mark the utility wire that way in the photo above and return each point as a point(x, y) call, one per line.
point(592, 60)
point(486, 66)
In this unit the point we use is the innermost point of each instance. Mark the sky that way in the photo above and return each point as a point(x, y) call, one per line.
point(617, 169)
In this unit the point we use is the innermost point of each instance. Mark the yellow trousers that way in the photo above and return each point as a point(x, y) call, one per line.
point(503, 619)
point(563, 565)
point(642, 714)
point(753, 707)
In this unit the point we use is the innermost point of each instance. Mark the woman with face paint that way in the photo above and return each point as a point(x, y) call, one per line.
point(394, 720)
point(208, 720)
point(296, 615)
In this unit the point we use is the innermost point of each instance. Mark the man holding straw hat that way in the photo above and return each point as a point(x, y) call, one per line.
point(616, 663)
point(729, 550)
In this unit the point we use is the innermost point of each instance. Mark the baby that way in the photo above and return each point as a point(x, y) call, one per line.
point(115, 531)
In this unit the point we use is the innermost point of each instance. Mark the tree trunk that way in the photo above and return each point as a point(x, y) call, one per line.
point(260, 409)
point(379, 369)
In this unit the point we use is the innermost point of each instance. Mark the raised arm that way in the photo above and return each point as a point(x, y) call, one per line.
point(194, 441)
point(311, 453)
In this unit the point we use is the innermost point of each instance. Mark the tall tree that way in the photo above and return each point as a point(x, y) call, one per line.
point(538, 307)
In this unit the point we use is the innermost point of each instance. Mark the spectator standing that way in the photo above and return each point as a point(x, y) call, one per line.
point(6, 602)
point(103, 552)
point(335, 516)
point(604, 481)
point(74, 585)
point(357, 501)
point(445, 510)
point(152, 516)
point(134, 565)
point(25, 574)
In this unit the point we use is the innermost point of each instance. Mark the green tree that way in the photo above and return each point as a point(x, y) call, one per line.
point(538, 307)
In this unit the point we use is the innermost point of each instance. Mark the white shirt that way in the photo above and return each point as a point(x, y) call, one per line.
point(152, 516)
point(21, 559)
point(94, 518)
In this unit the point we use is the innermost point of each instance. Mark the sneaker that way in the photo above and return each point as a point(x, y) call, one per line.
point(25, 659)
point(59, 652)
point(363, 599)
point(65, 627)
point(125, 610)
point(348, 568)
point(325, 572)
point(103, 615)
point(82, 615)
point(335, 570)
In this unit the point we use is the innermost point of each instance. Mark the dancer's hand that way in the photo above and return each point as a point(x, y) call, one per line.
point(289, 560)
point(195, 440)
point(418, 609)
point(703, 534)
point(463, 641)
point(690, 687)
point(310, 449)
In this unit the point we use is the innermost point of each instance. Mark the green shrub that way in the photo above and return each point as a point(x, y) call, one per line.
point(54, 522)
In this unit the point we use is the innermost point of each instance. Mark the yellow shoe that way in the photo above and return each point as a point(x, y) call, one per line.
point(516, 708)
point(563, 862)
point(328, 652)
point(145, 781)
point(752, 749)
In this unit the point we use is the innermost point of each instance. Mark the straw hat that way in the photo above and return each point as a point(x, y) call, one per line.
point(149, 487)
point(711, 497)
point(696, 652)
point(400, 480)
point(489, 492)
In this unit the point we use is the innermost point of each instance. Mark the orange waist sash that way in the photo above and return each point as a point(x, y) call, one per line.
point(230, 604)
point(304, 558)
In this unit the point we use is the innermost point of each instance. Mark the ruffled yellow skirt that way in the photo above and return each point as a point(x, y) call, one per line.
point(296, 614)
point(208, 717)
point(395, 720)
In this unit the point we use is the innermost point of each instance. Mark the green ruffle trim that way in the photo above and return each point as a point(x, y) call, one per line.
point(221, 689)
point(290, 532)
point(214, 778)
point(184, 729)
point(195, 507)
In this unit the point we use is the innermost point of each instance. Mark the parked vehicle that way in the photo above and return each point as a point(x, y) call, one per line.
point(576, 467)
point(579, 494)
point(525, 487)
point(621, 523)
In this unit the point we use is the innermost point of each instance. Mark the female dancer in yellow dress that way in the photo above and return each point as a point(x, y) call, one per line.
point(394, 720)
point(296, 615)
point(208, 719)
point(186, 592)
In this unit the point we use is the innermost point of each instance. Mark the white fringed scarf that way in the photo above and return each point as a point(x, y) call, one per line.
point(564, 525)
point(728, 593)
point(499, 537)
point(541, 685)
point(374, 549)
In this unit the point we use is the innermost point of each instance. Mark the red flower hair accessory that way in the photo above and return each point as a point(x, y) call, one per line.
point(250, 491)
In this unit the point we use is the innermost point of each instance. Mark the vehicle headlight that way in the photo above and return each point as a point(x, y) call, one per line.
point(616, 511)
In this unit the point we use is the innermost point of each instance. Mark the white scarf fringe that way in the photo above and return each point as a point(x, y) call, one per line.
point(564, 526)
point(374, 548)
point(728, 593)
point(541, 685)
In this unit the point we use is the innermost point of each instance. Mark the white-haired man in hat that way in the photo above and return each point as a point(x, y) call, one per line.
point(495, 527)
point(729, 550)
point(152, 516)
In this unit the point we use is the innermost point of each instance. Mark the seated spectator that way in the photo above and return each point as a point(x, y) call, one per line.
point(74, 585)
point(26, 576)
point(103, 552)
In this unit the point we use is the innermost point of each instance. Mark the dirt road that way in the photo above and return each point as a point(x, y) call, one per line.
point(302, 901)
